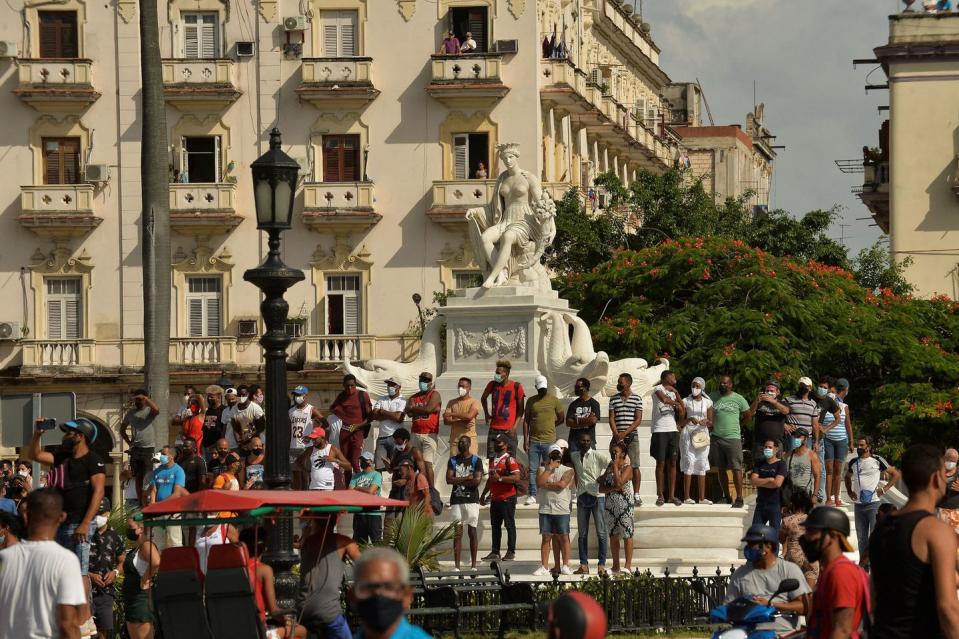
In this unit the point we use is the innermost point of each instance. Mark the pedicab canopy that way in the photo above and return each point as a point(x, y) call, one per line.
point(241, 506)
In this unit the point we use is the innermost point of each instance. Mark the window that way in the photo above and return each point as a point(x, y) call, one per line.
point(473, 20)
point(200, 160)
point(63, 308)
point(341, 158)
point(203, 304)
point(295, 327)
point(201, 35)
point(58, 34)
point(467, 279)
point(61, 160)
point(343, 305)
point(339, 33)
point(469, 149)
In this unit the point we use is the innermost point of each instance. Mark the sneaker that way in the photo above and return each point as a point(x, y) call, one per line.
point(542, 571)
point(839, 503)
point(510, 556)
point(676, 501)
point(456, 569)
point(738, 503)
point(582, 570)
point(705, 502)
point(689, 501)
point(600, 570)
point(493, 556)
point(88, 628)
point(660, 501)
point(566, 570)
point(638, 499)
point(530, 500)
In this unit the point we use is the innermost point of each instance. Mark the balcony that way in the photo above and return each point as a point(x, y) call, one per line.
point(337, 83)
point(203, 210)
point(339, 207)
point(199, 85)
point(56, 85)
point(471, 80)
point(39, 353)
point(875, 190)
point(332, 349)
point(452, 198)
point(58, 211)
point(190, 351)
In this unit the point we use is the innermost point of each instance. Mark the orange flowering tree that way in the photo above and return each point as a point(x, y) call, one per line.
point(716, 305)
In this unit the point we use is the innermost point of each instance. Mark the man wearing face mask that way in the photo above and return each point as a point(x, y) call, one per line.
point(949, 506)
point(424, 408)
point(140, 419)
point(390, 411)
point(253, 469)
point(914, 557)
point(864, 487)
point(216, 464)
point(107, 553)
point(544, 412)
point(367, 527)
point(726, 443)
point(505, 410)
point(802, 464)
point(504, 474)
point(770, 418)
point(167, 481)
point(213, 418)
point(583, 412)
point(460, 415)
point(230, 397)
point(767, 477)
point(402, 451)
point(353, 407)
point(304, 417)
point(247, 419)
point(589, 465)
point(464, 474)
point(760, 576)
point(184, 413)
point(804, 413)
point(382, 595)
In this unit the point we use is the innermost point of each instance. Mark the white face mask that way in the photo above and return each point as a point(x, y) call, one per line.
point(462, 391)
point(186, 399)
point(950, 465)
point(299, 399)
point(26, 473)
point(401, 447)
point(101, 521)
point(697, 392)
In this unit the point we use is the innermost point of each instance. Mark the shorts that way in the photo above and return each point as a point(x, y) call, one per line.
point(510, 444)
point(835, 449)
point(457, 431)
point(102, 610)
point(466, 514)
point(664, 447)
point(141, 461)
point(726, 453)
point(633, 451)
point(367, 528)
point(385, 447)
point(426, 444)
point(553, 524)
point(81, 550)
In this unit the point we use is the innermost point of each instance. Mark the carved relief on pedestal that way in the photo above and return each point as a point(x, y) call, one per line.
point(490, 342)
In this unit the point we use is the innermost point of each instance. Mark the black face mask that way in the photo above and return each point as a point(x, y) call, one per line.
point(67, 444)
point(620, 387)
point(579, 390)
point(812, 549)
point(257, 451)
point(379, 612)
point(462, 447)
point(860, 452)
point(541, 392)
point(132, 534)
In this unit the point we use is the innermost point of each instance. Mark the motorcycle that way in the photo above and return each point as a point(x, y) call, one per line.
point(744, 614)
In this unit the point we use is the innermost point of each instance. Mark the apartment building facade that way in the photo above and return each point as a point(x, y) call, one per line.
point(389, 134)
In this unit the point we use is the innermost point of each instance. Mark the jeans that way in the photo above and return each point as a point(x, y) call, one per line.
point(503, 512)
point(537, 453)
point(768, 513)
point(821, 451)
point(865, 524)
point(81, 550)
point(591, 506)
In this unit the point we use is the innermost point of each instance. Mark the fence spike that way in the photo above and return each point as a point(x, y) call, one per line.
point(695, 571)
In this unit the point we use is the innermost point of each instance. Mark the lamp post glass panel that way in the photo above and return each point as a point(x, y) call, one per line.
point(274, 187)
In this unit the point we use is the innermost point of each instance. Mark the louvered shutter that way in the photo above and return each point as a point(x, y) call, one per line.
point(51, 154)
point(191, 36)
point(477, 26)
point(195, 316)
point(68, 35)
point(351, 313)
point(208, 36)
point(212, 316)
point(48, 37)
point(58, 34)
point(54, 319)
point(348, 33)
point(460, 156)
point(331, 159)
point(71, 161)
point(217, 168)
point(339, 33)
point(350, 159)
point(72, 318)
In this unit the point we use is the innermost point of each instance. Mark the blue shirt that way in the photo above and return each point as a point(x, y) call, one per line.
point(8, 506)
point(166, 478)
point(405, 630)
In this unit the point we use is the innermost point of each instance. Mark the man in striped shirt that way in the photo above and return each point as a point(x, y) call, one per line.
point(804, 413)
point(625, 416)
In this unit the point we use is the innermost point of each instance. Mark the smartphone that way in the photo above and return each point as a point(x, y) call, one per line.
point(48, 424)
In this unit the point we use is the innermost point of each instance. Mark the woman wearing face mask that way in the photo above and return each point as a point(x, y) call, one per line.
point(25, 473)
point(617, 484)
point(193, 425)
point(767, 477)
point(253, 469)
point(694, 439)
point(140, 566)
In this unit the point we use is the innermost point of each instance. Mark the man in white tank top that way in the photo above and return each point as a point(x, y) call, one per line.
point(303, 418)
point(320, 462)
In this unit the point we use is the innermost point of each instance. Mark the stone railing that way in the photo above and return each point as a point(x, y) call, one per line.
point(217, 196)
point(332, 349)
point(58, 352)
point(462, 193)
point(57, 198)
point(202, 350)
point(338, 195)
point(54, 71)
point(318, 70)
point(198, 71)
point(481, 67)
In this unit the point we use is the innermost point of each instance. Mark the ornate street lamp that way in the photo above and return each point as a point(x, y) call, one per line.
point(274, 186)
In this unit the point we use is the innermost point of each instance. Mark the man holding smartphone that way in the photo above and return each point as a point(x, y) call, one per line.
point(770, 419)
point(141, 419)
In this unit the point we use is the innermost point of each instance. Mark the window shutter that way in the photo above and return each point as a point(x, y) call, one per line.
point(213, 316)
point(330, 25)
point(58, 34)
point(54, 319)
point(68, 35)
point(195, 316)
point(72, 317)
point(460, 156)
point(191, 36)
point(350, 159)
point(208, 36)
point(71, 161)
point(331, 159)
point(217, 168)
point(347, 33)
point(351, 313)
point(477, 26)
point(51, 151)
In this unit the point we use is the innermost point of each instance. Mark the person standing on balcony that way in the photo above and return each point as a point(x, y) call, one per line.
point(390, 411)
point(505, 410)
point(353, 407)
point(469, 44)
point(481, 173)
point(303, 419)
point(450, 44)
point(141, 419)
point(424, 411)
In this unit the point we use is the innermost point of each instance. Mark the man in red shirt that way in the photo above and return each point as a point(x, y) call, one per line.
point(424, 410)
point(504, 474)
point(841, 600)
point(353, 407)
point(506, 410)
point(417, 490)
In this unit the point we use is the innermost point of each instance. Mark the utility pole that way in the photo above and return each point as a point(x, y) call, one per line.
point(155, 218)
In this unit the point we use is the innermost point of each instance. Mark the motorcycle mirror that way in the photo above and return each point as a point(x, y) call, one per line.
point(786, 585)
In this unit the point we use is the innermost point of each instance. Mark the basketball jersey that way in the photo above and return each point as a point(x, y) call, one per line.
point(321, 469)
point(301, 425)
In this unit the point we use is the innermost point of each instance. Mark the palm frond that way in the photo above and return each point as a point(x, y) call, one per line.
point(412, 535)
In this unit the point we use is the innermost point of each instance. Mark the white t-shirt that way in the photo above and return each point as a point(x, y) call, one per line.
point(243, 419)
point(867, 476)
point(697, 407)
point(35, 578)
point(664, 415)
point(227, 419)
point(395, 405)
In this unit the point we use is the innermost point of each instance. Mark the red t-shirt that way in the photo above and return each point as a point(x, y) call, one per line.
point(424, 425)
point(352, 409)
point(842, 584)
point(504, 466)
point(415, 494)
point(506, 398)
point(193, 427)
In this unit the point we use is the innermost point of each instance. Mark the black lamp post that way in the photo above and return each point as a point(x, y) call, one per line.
point(274, 186)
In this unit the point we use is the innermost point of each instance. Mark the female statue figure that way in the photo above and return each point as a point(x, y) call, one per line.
point(511, 234)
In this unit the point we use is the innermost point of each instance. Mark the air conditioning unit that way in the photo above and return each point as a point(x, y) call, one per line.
point(506, 46)
point(246, 328)
point(294, 23)
point(96, 173)
point(9, 331)
point(245, 49)
point(8, 50)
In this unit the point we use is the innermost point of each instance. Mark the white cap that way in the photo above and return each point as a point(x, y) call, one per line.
point(554, 447)
point(541, 382)
point(806, 381)
point(561, 443)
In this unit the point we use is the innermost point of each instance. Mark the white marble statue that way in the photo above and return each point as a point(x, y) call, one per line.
point(372, 374)
point(510, 235)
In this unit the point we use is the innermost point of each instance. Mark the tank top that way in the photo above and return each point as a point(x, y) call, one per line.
point(321, 469)
point(134, 568)
point(800, 472)
point(905, 593)
point(203, 544)
point(838, 432)
point(301, 425)
point(428, 425)
point(257, 585)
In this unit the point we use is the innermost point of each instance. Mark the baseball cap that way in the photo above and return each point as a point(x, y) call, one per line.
point(316, 432)
point(806, 382)
point(81, 425)
point(301, 390)
point(391, 382)
point(367, 455)
point(801, 430)
point(554, 447)
point(541, 382)
point(562, 443)
point(230, 391)
point(842, 383)
point(773, 382)
point(407, 462)
point(104, 505)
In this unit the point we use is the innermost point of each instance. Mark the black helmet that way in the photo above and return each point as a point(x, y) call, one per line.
point(830, 518)
point(759, 532)
point(81, 425)
point(104, 505)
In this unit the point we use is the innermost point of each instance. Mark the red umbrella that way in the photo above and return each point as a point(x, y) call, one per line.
point(246, 500)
